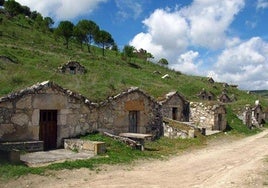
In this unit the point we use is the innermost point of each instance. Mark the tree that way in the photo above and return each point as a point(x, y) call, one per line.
point(88, 29)
point(65, 29)
point(163, 61)
point(128, 51)
point(13, 8)
point(48, 22)
point(2, 2)
point(79, 36)
point(104, 39)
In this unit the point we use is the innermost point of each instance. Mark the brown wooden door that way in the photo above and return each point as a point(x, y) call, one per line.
point(133, 121)
point(48, 128)
point(175, 113)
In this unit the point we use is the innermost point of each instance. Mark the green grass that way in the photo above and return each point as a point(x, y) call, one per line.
point(117, 153)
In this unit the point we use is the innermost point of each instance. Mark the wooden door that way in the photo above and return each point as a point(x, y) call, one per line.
point(133, 121)
point(175, 113)
point(48, 128)
point(219, 121)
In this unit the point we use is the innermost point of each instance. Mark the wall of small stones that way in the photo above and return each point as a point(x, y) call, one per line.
point(114, 113)
point(208, 115)
point(19, 118)
point(173, 133)
point(176, 102)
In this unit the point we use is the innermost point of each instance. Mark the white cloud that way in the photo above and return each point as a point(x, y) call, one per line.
point(245, 64)
point(205, 26)
point(128, 8)
point(166, 31)
point(62, 9)
point(202, 24)
point(262, 4)
point(186, 63)
point(209, 21)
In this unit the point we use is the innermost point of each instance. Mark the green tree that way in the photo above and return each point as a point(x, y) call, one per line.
point(163, 61)
point(48, 22)
point(65, 30)
point(88, 29)
point(104, 39)
point(128, 51)
point(13, 8)
point(2, 2)
point(79, 36)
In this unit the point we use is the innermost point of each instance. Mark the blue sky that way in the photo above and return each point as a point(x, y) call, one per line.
point(224, 39)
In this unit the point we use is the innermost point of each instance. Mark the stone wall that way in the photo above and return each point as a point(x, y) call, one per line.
point(20, 113)
point(114, 113)
point(174, 129)
point(85, 145)
point(178, 102)
point(209, 116)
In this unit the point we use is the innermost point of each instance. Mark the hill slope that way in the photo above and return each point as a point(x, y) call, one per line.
point(28, 56)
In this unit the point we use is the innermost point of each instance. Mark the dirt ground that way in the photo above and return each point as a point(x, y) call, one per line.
point(239, 163)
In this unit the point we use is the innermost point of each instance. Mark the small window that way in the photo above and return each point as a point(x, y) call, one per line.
point(72, 69)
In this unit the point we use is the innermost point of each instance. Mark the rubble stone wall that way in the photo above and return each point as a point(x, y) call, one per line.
point(181, 105)
point(19, 118)
point(211, 117)
point(114, 114)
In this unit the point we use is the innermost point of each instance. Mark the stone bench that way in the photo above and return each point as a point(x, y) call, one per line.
point(12, 150)
point(29, 146)
point(85, 145)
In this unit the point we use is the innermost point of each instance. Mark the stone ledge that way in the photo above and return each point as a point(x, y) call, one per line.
point(85, 145)
point(30, 146)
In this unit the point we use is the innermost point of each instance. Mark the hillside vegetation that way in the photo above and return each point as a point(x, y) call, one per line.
point(28, 56)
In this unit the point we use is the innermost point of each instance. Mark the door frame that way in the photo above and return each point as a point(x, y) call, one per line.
point(48, 128)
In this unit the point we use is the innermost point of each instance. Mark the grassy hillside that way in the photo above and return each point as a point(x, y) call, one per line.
point(37, 55)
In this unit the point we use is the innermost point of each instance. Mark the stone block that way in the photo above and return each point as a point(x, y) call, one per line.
point(35, 117)
point(6, 129)
point(25, 102)
point(50, 101)
point(20, 119)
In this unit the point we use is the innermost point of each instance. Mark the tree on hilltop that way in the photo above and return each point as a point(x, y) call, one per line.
point(13, 8)
point(104, 39)
point(128, 51)
point(163, 61)
point(65, 30)
point(86, 30)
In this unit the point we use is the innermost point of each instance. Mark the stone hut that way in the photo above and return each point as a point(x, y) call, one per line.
point(247, 116)
point(131, 111)
point(224, 98)
point(209, 116)
point(257, 115)
point(175, 106)
point(204, 95)
point(210, 80)
point(265, 114)
point(45, 112)
point(72, 67)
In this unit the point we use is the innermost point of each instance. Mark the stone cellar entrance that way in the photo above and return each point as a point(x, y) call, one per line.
point(48, 129)
point(133, 121)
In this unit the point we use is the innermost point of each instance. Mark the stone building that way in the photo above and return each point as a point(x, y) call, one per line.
point(247, 116)
point(131, 111)
point(45, 112)
point(224, 98)
point(209, 116)
point(257, 115)
point(206, 95)
point(175, 106)
point(210, 80)
point(72, 67)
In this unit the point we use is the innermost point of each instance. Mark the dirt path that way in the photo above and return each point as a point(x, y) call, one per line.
point(232, 164)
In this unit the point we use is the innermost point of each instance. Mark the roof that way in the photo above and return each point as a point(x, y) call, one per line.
point(125, 93)
point(169, 95)
point(34, 89)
